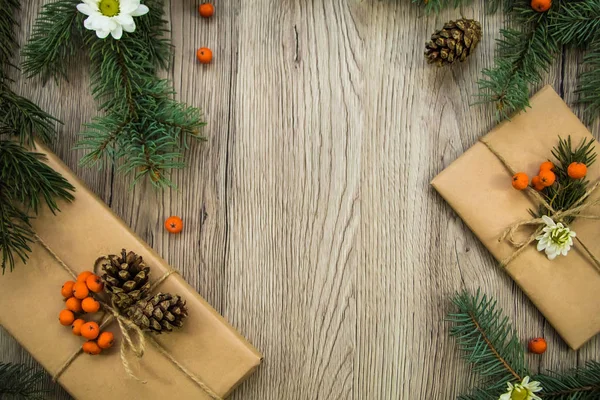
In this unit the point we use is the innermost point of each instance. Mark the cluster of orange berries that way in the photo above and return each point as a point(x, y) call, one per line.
point(546, 177)
point(204, 54)
point(78, 300)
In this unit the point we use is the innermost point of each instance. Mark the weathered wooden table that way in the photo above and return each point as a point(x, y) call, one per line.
point(310, 222)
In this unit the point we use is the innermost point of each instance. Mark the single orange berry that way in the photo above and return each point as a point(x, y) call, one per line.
point(547, 178)
point(174, 224)
point(537, 345)
point(537, 183)
point(90, 330)
point(91, 347)
point(94, 283)
point(67, 289)
point(204, 55)
point(80, 290)
point(73, 304)
point(206, 10)
point(105, 340)
point(546, 166)
point(577, 170)
point(541, 5)
point(76, 325)
point(520, 181)
point(90, 305)
point(66, 317)
point(83, 276)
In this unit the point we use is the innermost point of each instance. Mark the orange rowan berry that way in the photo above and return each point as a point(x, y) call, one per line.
point(66, 317)
point(90, 330)
point(547, 178)
point(537, 183)
point(541, 5)
point(206, 10)
point(537, 345)
point(90, 305)
point(76, 325)
point(577, 170)
point(174, 224)
point(520, 181)
point(73, 304)
point(67, 289)
point(546, 166)
point(204, 55)
point(84, 275)
point(94, 283)
point(80, 290)
point(105, 340)
point(91, 347)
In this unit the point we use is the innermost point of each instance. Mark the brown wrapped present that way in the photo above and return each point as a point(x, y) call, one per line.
point(478, 187)
point(207, 347)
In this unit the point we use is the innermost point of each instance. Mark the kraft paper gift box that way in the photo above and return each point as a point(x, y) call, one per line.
point(30, 301)
point(478, 187)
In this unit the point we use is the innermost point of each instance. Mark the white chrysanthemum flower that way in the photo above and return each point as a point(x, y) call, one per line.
point(111, 16)
point(522, 391)
point(556, 238)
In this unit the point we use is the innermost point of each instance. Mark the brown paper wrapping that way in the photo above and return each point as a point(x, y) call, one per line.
point(30, 302)
point(478, 187)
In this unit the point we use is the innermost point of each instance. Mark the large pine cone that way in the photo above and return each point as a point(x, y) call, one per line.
point(125, 278)
point(455, 41)
point(159, 313)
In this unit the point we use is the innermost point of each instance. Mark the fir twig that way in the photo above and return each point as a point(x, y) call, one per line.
point(488, 339)
point(25, 181)
point(142, 125)
point(55, 38)
point(18, 381)
point(589, 82)
point(577, 23)
point(580, 383)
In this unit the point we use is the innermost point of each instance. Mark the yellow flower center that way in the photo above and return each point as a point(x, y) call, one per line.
point(519, 393)
point(109, 8)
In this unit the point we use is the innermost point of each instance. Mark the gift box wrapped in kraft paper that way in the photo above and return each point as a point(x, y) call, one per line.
point(205, 359)
point(478, 187)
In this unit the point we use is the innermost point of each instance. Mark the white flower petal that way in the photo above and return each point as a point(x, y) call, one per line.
point(141, 10)
point(117, 32)
point(86, 9)
point(129, 28)
point(551, 256)
point(128, 6)
point(548, 221)
point(124, 19)
point(541, 245)
point(505, 396)
point(102, 34)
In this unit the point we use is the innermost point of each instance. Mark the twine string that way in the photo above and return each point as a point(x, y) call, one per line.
point(134, 337)
point(558, 216)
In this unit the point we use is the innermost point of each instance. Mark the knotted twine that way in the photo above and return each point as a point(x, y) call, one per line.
point(128, 329)
point(558, 216)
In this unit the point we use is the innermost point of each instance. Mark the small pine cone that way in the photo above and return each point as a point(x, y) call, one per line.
point(455, 41)
point(125, 278)
point(160, 313)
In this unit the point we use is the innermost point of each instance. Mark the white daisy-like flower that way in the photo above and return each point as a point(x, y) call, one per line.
point(525, 390)
point(111, 16)
point(556, 238)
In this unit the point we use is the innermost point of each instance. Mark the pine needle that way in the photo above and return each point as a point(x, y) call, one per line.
point(18, 381)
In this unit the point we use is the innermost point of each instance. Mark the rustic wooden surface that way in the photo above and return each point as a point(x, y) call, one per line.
point(311, 225)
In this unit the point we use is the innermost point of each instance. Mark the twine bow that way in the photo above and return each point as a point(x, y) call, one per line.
point(134, 339)
point(575, 210)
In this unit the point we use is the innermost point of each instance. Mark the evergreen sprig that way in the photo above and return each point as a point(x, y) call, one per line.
point(141, 125)
point(18, 381)
point(26, 182)
point(491, 345)
point(567, 191)
point(526, 50)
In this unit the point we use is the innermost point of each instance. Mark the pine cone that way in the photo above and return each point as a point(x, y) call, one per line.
point(159, 313)
point(125, 278)
point(455, 41)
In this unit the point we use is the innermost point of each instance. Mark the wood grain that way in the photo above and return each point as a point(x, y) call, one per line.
point(310, 223)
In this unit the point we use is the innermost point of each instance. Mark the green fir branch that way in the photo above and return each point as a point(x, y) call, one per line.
point(577, 23)
point(8, 41)
point(56, 36)
point(18, 381)
point(141, 127)
point(589, 81)
point(26, 183)
point(488, 340)
point(580, 383)
point(435, 6)
point(522, 58)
